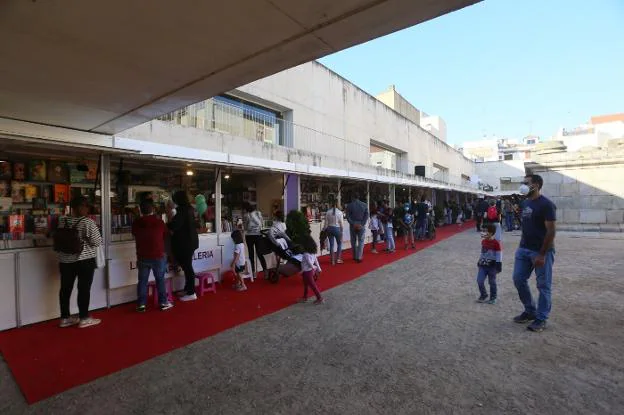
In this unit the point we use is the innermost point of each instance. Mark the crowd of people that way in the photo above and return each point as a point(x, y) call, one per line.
point(410, 221)
point(160, 244)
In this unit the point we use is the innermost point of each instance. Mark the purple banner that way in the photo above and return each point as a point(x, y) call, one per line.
point(292, 192)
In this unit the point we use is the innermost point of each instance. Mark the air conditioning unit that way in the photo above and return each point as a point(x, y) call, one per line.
point(419, 171)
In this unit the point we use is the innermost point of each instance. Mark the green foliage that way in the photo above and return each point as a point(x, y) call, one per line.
point(297, 226)
point(439, 213)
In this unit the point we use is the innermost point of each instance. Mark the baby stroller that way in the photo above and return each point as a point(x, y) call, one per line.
point(282, 249)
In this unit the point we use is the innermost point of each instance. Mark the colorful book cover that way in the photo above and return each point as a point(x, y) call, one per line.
point(18, 192)
point(5, 189)
point(5, 204)
point(58, 172)
point(16, 224)
point(37, 171)
point(61, 193)
point(77, 176)
point(92, 173)
point(47, 192)
point(30, 192)
point(6, 170)
point(19, 171)
point(39, 203)
point(41, 225)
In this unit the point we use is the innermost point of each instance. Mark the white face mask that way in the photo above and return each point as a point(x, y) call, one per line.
point(524, 189)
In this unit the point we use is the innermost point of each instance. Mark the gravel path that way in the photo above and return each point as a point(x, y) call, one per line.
point(406, 339)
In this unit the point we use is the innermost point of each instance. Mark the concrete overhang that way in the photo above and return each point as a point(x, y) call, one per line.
point(107, 65)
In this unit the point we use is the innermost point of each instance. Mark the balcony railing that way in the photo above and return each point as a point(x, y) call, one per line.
point(212, 115)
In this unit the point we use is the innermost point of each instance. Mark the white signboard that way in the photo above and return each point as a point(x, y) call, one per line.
point(123, 270)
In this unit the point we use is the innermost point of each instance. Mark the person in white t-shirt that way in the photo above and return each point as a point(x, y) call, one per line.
point(334, 219)
point(238, 260)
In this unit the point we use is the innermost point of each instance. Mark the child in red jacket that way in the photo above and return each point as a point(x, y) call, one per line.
point(489, 265)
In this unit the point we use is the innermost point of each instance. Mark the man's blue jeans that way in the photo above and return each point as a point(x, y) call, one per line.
point(523, 267)
point(509, 221)
point(421, 228)
point(159, 268)
point(357, 242)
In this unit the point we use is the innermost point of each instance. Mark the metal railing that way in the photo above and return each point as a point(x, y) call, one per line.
point(212, 115)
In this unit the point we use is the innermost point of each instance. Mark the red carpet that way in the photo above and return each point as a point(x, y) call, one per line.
point(46, 360)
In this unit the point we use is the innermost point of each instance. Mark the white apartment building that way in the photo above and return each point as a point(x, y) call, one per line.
point(596, 133)
point(500, 149)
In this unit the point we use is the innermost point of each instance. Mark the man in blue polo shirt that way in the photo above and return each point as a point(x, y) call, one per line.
point(536, 252)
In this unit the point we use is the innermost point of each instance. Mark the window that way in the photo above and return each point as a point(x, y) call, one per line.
point(508, 156)
point(530, 142)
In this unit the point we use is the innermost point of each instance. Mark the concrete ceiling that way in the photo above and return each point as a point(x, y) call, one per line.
point(108, 65)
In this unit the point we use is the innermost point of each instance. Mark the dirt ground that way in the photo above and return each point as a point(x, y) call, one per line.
point(406, 339)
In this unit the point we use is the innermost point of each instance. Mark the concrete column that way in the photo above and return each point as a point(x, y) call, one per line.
point(368, 194)
point(285, 194)
point(339, 196)
point(217, 202)
point(105, 193)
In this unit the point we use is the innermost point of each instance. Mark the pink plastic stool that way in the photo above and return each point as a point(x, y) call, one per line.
point(152, 290)
point(207, 282)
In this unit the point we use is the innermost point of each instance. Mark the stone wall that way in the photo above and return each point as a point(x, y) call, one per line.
point(587, 187)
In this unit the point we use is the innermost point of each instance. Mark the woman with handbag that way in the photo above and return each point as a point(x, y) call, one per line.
point(76, 242)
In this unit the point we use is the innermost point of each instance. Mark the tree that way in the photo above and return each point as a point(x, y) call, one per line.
point(297, 226)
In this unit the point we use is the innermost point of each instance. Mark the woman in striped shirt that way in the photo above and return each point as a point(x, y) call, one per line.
point(81, 266)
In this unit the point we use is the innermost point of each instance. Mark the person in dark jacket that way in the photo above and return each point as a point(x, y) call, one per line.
point(482, 207)
point(184, 241)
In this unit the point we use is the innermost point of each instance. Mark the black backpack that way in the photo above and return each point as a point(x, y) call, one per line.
point(67, 240)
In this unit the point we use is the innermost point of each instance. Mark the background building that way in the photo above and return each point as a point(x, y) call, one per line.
point(432, 123)
point(496, 148)
point(596, 133)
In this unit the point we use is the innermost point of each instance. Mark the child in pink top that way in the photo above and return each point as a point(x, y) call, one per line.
point(311, 269)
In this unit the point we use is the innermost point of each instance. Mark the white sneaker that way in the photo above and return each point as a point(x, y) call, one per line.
point(164, 307)
point(88, 322)
point(68, 322)
point(191, 297)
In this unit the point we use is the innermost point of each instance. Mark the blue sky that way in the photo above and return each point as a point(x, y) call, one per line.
point(502, 67)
